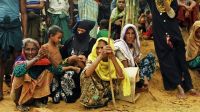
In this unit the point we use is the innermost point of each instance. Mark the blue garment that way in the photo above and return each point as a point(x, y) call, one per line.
point(33, 2)
point(10, 8)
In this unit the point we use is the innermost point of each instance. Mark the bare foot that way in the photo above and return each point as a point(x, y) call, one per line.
point(181, 94)
point(193, 92)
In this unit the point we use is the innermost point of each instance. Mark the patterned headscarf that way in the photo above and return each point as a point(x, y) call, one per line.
point(193, 44)
point(160, 4)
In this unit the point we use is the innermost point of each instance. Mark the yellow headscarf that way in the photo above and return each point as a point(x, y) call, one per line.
point(160, 5)
point(193, 44)
point(102, 68)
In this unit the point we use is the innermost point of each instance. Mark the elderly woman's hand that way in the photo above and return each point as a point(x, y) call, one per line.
point(43, 51)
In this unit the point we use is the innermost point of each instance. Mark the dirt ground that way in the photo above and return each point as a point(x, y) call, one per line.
point(164, 101)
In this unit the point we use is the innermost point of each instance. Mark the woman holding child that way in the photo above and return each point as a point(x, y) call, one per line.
point(95, 86)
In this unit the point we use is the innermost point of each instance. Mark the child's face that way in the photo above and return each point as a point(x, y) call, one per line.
point(57, 37)
point(121, 4)
point(197, 33)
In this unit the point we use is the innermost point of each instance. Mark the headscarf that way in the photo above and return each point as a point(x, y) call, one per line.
point(121, 45)
point(193, 44)
point(103, 72)
point(160, 5)
point(115, 14)
point(22, 58)
point(80, 42)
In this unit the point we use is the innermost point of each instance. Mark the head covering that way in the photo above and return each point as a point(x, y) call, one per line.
point(80, 42)
point(116, 14)
point(121, 45)
point(193, 43)
point(160, 5)
point(22, 58)
point(102, 68)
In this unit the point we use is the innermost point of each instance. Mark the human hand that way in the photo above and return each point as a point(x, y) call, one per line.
point(109, 51)
point(76, 69)
point(118, 22)
point(169, 43)
point(82, 58)
point(43, 51)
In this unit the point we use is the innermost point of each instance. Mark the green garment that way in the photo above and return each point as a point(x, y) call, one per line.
point(195, 63)
point(102, 33)
point(61, 21)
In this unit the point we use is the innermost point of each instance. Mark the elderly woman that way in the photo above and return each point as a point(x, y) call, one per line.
point(95, 86)
point(31, 75)
point(128, 51)
point(193, 47)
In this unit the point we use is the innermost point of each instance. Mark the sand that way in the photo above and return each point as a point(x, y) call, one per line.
point(159, 101)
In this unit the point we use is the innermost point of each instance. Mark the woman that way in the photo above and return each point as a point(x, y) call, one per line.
point(128, 51)
point(31, 75)
point(170, 47)
point(95, 86)
point(193, 47)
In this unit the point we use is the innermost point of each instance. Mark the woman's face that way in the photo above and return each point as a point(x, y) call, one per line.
point(100, 46)
point(197, 33)
point(81, 30)
point(130, 36)
point(121, 5)
point(30, 50)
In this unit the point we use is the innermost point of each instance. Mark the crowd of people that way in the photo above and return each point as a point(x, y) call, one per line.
point(71, 49)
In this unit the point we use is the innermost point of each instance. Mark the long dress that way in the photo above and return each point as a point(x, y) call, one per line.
point(172, 60)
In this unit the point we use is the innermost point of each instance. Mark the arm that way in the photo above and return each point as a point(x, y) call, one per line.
point(90, 70)
point(192, 5)
point(36, 6)
point(23, 17)
point(170, 11)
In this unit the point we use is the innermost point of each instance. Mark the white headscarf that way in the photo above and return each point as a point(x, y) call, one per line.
point(121, 45)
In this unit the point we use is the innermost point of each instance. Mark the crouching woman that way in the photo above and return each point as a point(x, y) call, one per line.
point(95, 86)
point(31, 76)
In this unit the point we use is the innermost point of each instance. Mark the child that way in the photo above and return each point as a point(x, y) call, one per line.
point(55, 35)
point(103, 32)
point(193, 47)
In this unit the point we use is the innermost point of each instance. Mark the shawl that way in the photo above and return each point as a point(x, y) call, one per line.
point(193, 44)
point(121, 45)
point(160, 5)
point(115, 14)
point(103, 72)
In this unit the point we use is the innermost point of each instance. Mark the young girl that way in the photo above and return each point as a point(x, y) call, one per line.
point(193, 47)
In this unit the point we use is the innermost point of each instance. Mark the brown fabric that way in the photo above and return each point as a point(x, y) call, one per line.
point(193, 44)
point(32, 88)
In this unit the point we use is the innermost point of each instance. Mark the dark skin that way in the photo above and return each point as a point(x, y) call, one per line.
point(14, 54)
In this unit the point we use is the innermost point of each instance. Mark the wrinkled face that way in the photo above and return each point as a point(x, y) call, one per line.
point(121, 4)
point(57, 37)
point(130, 36)
point(81, 30)
point(100, 46)
point(30, 50)
point(197, 33)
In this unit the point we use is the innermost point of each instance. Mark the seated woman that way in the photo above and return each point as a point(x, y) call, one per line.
point(128, 51)
point(95, 86)
point(31, 76)
point(188, 12)
point(193, 47)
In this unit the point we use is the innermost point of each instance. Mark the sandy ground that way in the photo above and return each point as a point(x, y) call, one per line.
point(164, 101)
